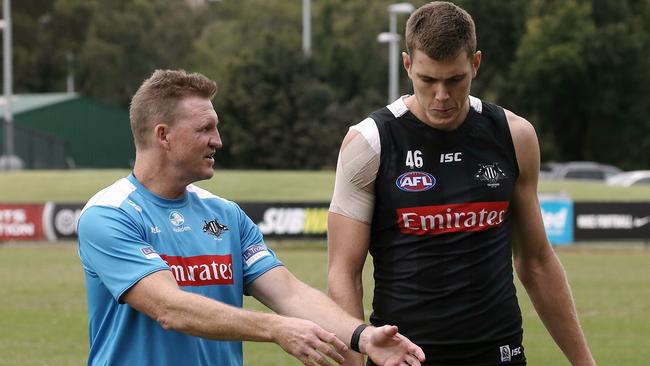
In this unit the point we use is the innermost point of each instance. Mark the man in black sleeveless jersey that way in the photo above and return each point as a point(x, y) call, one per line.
point(441, 188)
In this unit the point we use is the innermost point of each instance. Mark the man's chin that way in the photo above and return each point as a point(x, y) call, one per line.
point(441, 123)
point(204, 175)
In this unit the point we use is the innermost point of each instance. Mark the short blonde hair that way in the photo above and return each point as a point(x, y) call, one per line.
point(440, 29)
point(157, 99)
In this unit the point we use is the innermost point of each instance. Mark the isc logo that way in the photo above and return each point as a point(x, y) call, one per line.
point(415, 181)
point(451, 157)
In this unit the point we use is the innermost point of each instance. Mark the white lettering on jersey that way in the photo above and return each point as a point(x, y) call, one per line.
point(450, 157)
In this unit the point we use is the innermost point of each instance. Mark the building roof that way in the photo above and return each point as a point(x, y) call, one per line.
point(26, 102)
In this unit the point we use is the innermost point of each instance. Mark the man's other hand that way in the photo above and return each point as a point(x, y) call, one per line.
point(386, 347)
point(308, 342)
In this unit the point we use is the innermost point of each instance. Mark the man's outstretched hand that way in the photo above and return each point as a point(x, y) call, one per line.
point(386, 347)
point(308, 342)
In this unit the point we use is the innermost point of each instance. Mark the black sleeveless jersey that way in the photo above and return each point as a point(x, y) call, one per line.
point(440, 239)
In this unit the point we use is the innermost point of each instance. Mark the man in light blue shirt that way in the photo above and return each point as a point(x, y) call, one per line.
point(167, 263)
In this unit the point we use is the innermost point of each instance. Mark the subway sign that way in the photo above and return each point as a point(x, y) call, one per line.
point(294, 220)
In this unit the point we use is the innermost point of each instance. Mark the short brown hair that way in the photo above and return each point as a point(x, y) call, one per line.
point(440, 29)
point(157, 99)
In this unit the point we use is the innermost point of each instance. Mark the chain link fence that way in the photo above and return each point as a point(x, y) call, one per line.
point(37, 150)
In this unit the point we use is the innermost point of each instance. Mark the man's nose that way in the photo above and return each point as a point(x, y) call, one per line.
point(441, 92)
point(215, 141)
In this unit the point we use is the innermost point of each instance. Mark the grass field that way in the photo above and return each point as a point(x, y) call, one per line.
point(250, 185)
point(43, 307)
point(42, 295)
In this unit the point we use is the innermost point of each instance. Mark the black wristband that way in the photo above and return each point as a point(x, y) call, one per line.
point(354, 342)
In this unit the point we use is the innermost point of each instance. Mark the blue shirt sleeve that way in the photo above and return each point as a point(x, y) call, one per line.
point(257, 258)
point(112, 248)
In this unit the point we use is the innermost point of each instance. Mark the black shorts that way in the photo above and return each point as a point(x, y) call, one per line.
point(505, 352)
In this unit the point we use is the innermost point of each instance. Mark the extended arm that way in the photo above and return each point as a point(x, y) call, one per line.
point(294, 298)
point(159, 297)
point(537, 265)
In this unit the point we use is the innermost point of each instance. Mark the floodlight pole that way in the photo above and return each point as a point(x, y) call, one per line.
point(69, 81)
point(306, 27)
point(5, 25)
point(393, 40)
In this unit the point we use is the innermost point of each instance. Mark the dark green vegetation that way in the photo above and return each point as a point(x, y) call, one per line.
point(43, 305)
point(578, 69)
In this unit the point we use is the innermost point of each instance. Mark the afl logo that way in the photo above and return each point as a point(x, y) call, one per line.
point(415, 181)
point(176, 218)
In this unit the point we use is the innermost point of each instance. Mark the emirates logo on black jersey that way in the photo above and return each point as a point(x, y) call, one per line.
point(490, 174)
point(451, 218)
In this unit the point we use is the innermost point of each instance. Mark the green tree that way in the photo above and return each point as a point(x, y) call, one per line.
point(500, 25)
point(45, 33)
point(274, 114)
point(128, 39)
point(280, 109)
point(579, 69)
point(582, 78)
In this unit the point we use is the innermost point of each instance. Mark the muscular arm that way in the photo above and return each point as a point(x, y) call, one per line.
point(294, 298)
point(347, 249)
point(348, 228)
point(537, 265)
point(159, 297)
point(304, 314)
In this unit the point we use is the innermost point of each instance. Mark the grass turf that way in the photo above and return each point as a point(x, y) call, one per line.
point(250, 185)
point(43, 308)
point(42, 297)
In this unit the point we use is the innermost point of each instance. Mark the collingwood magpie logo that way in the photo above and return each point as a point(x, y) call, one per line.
point(491, 174)
point(214, 228)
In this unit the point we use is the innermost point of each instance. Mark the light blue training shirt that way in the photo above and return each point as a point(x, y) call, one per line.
point(127, 233)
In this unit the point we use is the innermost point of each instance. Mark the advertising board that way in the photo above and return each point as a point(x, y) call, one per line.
point(21, 222)
point(612, 220)
point(557, 214)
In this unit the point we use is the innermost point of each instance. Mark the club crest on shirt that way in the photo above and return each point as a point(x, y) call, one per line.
point(490, 174)
point(178, 221)
point(176, 218)
point(213, 227)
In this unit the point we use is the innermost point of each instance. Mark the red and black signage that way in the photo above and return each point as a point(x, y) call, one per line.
point(21, 222)
point(60, 220)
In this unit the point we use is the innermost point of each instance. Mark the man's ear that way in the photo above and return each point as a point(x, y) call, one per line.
point(161, 135)
point(406, 60)
point(476, 63)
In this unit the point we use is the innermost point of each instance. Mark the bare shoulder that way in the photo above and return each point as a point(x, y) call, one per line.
point(524, 139)
point(522, 130)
